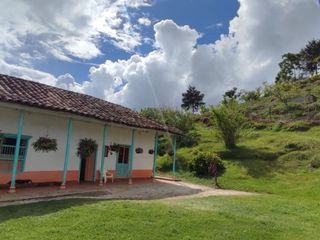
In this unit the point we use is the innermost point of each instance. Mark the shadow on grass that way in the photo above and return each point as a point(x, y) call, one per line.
point(258, 162)
point(41, 208)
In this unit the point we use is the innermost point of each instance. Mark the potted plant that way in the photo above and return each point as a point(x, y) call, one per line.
point(86, 147)
point(45, 144)
point(115, 147)
point(139, 150)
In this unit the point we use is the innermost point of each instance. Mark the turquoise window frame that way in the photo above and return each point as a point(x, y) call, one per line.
point(24, 157)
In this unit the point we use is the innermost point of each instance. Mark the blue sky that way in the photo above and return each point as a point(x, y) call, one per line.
point(209, 17)
point(145, 53)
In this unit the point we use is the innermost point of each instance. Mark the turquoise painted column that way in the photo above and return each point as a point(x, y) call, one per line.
point(104, 140)
point(174, 146)
point(67, 155)
point(133, 139)
point(12, 188)
point(155, 153)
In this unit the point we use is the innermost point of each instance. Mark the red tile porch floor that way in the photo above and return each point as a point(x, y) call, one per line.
point(120, 189)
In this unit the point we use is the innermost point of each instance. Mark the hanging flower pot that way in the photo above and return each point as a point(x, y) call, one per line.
point(139, 150)
point(86, 147)
point(45, 144)
point(115, 147)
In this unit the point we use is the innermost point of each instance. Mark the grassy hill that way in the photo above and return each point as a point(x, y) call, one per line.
point(277, 153)
point(291, 102)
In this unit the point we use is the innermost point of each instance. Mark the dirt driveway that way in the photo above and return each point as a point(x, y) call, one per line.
point(139, 190)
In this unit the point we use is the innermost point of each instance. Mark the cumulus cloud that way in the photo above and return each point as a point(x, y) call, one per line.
point(260, 33)
point(144, 21)
point(246, 57)
point(26, 73)
point(66, 29)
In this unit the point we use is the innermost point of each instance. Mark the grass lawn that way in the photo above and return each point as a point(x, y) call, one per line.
point(289, 209)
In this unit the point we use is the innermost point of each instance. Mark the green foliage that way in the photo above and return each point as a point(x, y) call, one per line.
point(45, 144)
point(192, 99)
point(86, 147)
point(248, 96)
point(229, 122)
point(174, 118)
point(231, 95)
point(297, 126)
point(297, 66)
point(190, 139)
point(315, 161)
point(201, 161)
point(164, 163)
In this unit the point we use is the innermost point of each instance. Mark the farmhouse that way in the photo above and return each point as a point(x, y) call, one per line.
point(32, 114)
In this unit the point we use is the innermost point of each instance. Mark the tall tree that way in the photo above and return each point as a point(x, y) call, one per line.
point(231, 95)
point(311, 57)
point(192, 99)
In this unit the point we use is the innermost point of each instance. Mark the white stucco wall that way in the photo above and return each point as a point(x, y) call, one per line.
point(39, 124)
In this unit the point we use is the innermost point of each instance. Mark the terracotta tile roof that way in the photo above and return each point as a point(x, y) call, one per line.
point(25, 92)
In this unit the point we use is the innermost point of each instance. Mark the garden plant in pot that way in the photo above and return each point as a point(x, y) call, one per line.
point(45, 144)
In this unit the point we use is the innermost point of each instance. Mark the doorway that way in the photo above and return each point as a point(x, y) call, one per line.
point(87, 168)
point(122, 167)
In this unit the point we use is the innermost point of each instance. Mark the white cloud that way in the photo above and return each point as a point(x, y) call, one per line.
point(249, 55)
point(66, 29)
point(26, 73)
point(144, 21)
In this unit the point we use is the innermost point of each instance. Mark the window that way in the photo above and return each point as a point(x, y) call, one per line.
point(123, 155)
point(7, 149)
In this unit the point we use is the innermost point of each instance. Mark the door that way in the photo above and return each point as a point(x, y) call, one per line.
point(122, 167)
point(87, 168)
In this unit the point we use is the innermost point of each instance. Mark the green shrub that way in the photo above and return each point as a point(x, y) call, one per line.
point(297, 126)
point(190, 139)
point(164, 163)
point(315, 161)
point(316, 116)
point(295, 106)
point(259, 125)
point(229, 122)
point(278, 127)
point(201, 161)
point(183, 159)
point(292, 145)
point(295, 156)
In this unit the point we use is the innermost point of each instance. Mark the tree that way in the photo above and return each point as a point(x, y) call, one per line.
point(231, 95)
point(229, 122)
point(290, 68)
point(311, 57)
point(192, 99)
point(296, 66)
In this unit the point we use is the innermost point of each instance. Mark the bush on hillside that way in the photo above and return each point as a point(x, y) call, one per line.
point(315, 161)
point(229, 122)
point(297, 126)
point(201, 161)
point(190, 139)
point(183, 159)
